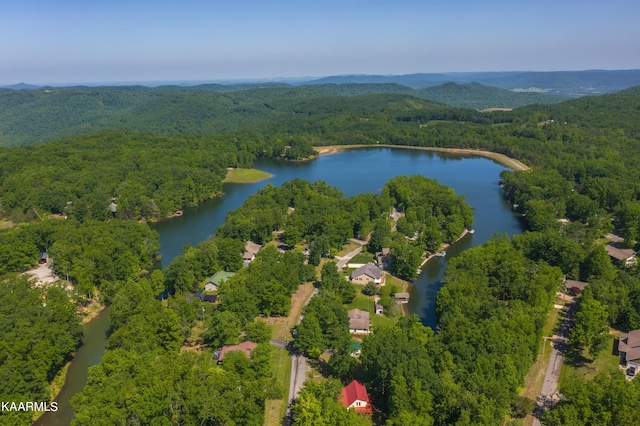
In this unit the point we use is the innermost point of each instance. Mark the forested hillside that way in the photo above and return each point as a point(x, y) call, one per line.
point(46, 114)
point(584, 184)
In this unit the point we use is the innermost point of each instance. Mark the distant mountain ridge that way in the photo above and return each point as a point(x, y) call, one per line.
point(21, 86)
point(567, 83)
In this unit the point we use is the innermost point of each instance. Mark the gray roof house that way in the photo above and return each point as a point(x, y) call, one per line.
point(250, 251)
point(367, 273)
point(629, 349)
point(624, 256)
point(358, 321)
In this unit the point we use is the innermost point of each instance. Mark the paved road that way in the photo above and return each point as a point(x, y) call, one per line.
point(549, 394)
point(298, 375)
point(279, 344)
point(342, 262)
point(298, 367)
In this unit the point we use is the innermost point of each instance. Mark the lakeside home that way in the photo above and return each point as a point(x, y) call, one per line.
point(366, 274)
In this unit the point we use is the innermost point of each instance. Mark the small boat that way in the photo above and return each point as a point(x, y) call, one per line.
point(179, 213)
point(441, 254)
point(472, 231)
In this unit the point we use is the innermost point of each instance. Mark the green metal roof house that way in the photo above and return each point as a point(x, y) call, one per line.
point(216, 279)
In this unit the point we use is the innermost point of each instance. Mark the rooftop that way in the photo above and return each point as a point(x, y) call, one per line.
point(219, 277)
point(369, 269)
point(356, 391)
point(245, 347)
point(619, 254)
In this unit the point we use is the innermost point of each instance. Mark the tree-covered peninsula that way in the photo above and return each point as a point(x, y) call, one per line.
point(492, 312)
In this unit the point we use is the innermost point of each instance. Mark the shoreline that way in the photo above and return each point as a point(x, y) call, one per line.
point(512, 163)
point(444, 247)
point(241, 175)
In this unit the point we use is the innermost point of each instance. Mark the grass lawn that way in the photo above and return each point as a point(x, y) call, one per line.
point(400, 284)
point(347, 248)
point(276, 409)
point(586, 368)
point(366, 303)
point(245, 176)
point(363, 257)
point(282, 325)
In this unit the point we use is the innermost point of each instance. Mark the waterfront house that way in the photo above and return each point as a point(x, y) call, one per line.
point(402, 298)
point(355, 396)
point(366, 274)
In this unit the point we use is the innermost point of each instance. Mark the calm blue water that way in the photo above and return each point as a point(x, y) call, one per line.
point(366, 170)
point(355, 171)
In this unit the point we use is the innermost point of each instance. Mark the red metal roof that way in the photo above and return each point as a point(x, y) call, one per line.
point(355, 391)
point(245, 347)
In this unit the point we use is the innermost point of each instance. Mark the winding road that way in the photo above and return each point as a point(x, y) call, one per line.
point(549, 393)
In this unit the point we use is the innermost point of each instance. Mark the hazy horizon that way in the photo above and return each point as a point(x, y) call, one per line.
point(75, 42)
point(258, 80)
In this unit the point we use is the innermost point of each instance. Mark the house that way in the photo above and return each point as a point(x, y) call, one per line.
point(245, 347)
point(355, 396)
point(379, 309)
point(627, 257)
point(216, 279)
point(629, 349)
point(402, 298)
point(250, 251)
point(383, 258)
point(358, 321)
point(366, 274)
point(211, 298)
point(575, 287)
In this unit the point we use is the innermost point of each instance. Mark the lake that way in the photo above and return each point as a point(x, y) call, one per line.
point(353, 171)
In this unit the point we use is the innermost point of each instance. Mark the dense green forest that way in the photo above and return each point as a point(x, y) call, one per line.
point(146, 176)
point(39, 331)
point(584, 184)
point(46, 114)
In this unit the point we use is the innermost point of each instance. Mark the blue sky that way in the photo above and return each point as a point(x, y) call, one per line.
point(73, 41)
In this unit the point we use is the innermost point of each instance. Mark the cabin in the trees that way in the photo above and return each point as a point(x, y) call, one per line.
point(575, 287)
point(355, 396)
point(629, 349)
point(402, 298)
point(358, 321)
point(245, 347)
point(366, 274)
point(250, 251)
point(626, 257)
point(211, 298)
point(383, 258)
point(216, 279)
